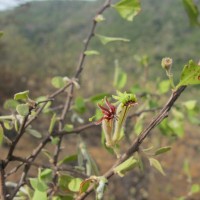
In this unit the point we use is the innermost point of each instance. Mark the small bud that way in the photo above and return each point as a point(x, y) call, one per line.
point(167, 63)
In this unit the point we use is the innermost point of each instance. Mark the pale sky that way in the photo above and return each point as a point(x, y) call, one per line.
point(7, 4)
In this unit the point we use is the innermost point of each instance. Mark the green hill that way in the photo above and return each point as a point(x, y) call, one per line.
point(45, 38)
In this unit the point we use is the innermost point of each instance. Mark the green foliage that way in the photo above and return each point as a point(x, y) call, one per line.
point(58, 82)
point(105, 40)
point(80, 105)
point(91, 52)
point(128, 9)
point(52, 123)
point(21, 95)
point(192, 12)
point(156, 164)
point(120, 77)
point(22, 109)
point(190, 74)
point(162, 150)
point(10, 104)
point(34, 133)
point(1, 134)
point(68, 159)
point(74, 184)
point(126, 166)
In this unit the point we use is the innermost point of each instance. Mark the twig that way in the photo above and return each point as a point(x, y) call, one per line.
point(138, 141)
point(2, 181)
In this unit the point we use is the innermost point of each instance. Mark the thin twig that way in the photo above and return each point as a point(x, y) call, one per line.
point(138, 141)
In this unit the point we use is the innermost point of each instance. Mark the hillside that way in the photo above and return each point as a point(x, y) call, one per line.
point(45, 38)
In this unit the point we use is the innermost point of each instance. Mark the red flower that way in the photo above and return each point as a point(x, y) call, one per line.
point(108, 113)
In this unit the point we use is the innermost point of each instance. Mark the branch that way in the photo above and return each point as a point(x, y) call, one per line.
point(138, 141)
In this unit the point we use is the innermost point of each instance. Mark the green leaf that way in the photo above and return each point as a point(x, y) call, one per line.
point(34, 133)
point(80, 105)
point(190, 74)
point(162, 150)
point(58, 82)
point(68, 159)
point(39, 195)
point(120, 77)
point(192, 12)
point(55, 140)
point(1, 34)
point(138, 125)
point(46, 174)
point(52, 123)
point(190, 105)
point(74, 184)
point(98, 97)
point(1, 134)
point(128, 9)
point(68, 127)
point(38, 185)
point(105, 40)
point(21, 95)
point(164, 86)
point(126, 166)
point(195, 188)
point(10, 104)
point(177, 127)
point(23, 109)
point(64, 181)
point(156, 164)
point(91, 52)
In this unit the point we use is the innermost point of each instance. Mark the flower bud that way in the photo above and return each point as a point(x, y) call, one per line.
point(167, 63)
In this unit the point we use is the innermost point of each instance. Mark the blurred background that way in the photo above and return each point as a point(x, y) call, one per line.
point(42, 39)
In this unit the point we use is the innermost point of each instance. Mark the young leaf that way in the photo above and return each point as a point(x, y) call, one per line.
point(10, 104)
point(69, 159)
point(74, 184)
point(58, 82)
point(190, 105)
point(126, 166)
point(128, 9)
point(195, 188)
point(98, 97)
point(104, 40)
point(53, 122)
point(21, 95)
point(68, 127)
point(156, 164)
point(164, 86)
point(34, 133)
point(80, 105)
point(192, 11)
point(1, 134)
point(23, 109)
point(120, 77)
point(190, 74)
point(91, 52)
point(162, 150)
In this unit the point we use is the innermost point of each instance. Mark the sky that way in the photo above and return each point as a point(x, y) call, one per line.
point(9, 4)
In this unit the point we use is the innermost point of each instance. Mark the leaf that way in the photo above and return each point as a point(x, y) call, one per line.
point(80, 105)
point(105, 40)
point(156, 164)
point(38, 185)
point(10, 104)
point(120, 77)
point(162, 150)
point(46, 174)
point(164, 86)
point(190, 105)
point(55, 140)
point(58, 82)
point(52, 123)
point(192, 12)
point(39, 195)
point(126, 166)
point(64, 181)
point(91, 52)
point(1, 134)
point(21, 95)
point(68, 127)
point(34, 133)
point(98, 97)
point(177, 127)
point(128, 9)
point(195, 188)
point(74, 184)
point(23, 109)
point(68, 159)
point(190, 74)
